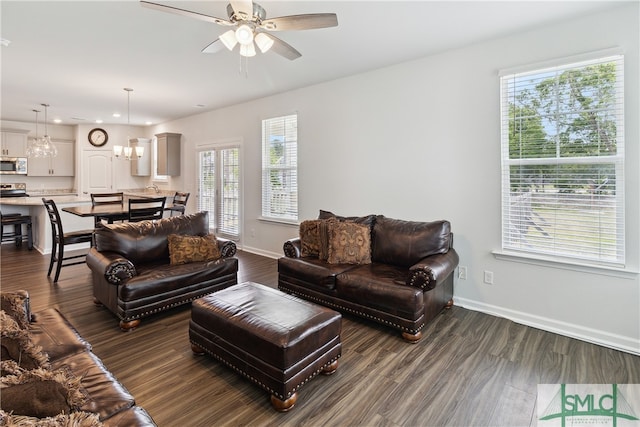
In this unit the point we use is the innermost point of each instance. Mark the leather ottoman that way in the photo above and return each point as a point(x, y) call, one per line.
point(276, 340)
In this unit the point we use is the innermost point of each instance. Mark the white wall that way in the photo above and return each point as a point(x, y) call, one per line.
point(421, 141)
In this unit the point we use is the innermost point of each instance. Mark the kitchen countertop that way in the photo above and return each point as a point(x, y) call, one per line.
point(149, 193)
point(69, 197)
point(37, 200)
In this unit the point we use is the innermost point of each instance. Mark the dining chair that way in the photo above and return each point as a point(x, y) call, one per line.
point(146, 208)
point(60, 239)
point(179, 203)
point(98, 199)
point(17, 221)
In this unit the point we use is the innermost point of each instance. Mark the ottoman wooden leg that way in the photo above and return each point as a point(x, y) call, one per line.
point(330, 368)
point(284, 405)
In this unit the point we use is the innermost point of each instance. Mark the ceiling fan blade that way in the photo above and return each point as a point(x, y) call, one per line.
point(301, 22)
point(242, 8)
point(283, 48)
point(213, 47)
point(187, 13)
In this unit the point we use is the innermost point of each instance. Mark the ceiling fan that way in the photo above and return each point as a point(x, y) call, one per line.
point(253, 28)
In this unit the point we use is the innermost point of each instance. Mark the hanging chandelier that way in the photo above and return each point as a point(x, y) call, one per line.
point(126, 152)
point(42, 147)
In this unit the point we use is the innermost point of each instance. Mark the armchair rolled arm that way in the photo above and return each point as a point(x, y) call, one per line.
point(292, 248)
point(227, 247)
point(113, 266)
point(426, 273)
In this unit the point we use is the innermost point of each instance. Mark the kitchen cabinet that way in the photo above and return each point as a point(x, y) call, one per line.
point(61, 165)
point(14, 143)
point(141, 166)
point(168, 156)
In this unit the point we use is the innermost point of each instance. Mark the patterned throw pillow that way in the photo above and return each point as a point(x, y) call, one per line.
point(310, 237)
point(349, 243)
point(41, 393)
point(185, 249)
point(15, 304)
point(16, 344)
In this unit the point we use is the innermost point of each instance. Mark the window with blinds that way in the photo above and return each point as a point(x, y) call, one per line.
point(280, 168)
point(563, 162)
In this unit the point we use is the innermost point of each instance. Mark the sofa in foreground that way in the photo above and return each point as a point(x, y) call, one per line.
point(395, 272)
point(142, 268)
point(50, 377)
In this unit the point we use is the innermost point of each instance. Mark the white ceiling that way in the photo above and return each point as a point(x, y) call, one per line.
point(78, 56)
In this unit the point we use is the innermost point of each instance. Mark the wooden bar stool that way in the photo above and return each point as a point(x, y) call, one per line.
point(17, 221)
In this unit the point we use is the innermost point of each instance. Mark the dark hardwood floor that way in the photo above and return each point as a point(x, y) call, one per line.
point(471, 369)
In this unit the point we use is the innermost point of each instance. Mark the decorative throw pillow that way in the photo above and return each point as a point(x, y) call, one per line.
point(349, 243)
point(41, 393)
point(324, 238)
point(16, 345)
point(74, 419)
point(16, 304)
point(185, 249)
point(310, 237)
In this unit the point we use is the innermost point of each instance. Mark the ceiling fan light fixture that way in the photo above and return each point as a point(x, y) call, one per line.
point(228, 39)
point(247, 50)
point(264, 42)
point(244, 34)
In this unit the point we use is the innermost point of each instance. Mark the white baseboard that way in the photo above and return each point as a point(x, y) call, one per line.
point(594, 336)
point(257, 251)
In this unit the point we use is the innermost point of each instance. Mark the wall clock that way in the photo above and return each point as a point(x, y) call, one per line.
point(98, 137)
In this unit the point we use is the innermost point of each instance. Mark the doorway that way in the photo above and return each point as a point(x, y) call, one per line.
point(219, 189)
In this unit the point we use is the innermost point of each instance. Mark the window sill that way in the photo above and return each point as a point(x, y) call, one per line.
point(540, 260)
point(279, 221)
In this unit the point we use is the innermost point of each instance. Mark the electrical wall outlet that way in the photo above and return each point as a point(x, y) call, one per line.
point(488, 277)
point(462, 272)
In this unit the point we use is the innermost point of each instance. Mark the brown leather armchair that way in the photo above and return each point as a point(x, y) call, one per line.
point(132, 274)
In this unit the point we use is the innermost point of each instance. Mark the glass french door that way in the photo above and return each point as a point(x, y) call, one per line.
point(219, 189)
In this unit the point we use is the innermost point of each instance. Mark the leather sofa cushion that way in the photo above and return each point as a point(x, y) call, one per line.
point(161, 280)
point(104, 394)
point(381, 286)
point(312, 271)
point(366, 220)
point(404, 243)
point(55, 334)
point(146, 241)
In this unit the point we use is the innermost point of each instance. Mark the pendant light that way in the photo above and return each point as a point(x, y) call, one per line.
point(42, 147)
point(126, 152)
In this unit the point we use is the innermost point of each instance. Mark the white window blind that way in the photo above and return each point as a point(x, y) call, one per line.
point(219, 189)
point(280, 168)
point(563, 161)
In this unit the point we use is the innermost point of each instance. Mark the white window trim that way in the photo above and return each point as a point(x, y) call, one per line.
point(274, 219)
point(583, 265)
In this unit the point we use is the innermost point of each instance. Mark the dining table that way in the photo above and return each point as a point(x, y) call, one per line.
point(110, 212)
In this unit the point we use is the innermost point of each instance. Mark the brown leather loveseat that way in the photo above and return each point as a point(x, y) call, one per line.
point(133, 275)
point(406, 282)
